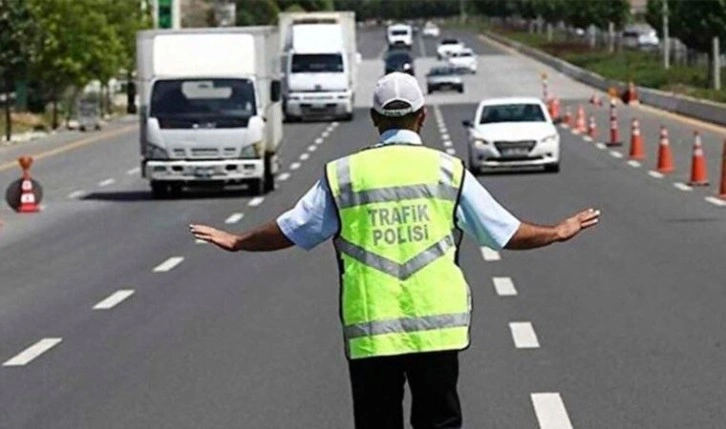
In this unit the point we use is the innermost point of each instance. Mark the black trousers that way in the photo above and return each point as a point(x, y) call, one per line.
point(378, 386)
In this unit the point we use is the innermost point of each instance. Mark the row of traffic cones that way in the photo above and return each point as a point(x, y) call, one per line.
point(665, 165)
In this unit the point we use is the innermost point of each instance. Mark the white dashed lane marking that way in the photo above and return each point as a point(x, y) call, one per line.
point(504, 286)
point(447, 143)
point(76, 194)
point(601, 146)
point(616, 154)
point(633, 163)
point(169, 264)
point(325, 134)
point(198, 241)
point(234, 218)
point(550, 411)
point(682, 186)
point(294, 166)
point(304, 156)
point(445, 136)
point(319, 140)
point(716, 201)
point(312, 148)
point(451, 151)
point(655, 174)
point(28, 355)
point(107, 182)
point(133, 171)
point(256, 201)
point(114, 299)
point(283, 176)
point(490, 254)
point(587, 138)
point(523, 335)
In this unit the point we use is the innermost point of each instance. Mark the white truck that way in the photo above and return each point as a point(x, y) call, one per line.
point(209, 112)
point(320, 63)
point(400, 35)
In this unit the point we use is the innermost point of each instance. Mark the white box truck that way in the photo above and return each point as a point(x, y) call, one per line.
point(209, 111)
point(320, 63)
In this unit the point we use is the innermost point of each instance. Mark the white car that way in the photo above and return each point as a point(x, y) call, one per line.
point(463, 60)
point(400, 35)
point(447, 47)
point(431, 30)
point(512, 132)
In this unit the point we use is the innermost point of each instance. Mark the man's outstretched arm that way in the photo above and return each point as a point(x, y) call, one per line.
point(531, 236)
point(264, 238)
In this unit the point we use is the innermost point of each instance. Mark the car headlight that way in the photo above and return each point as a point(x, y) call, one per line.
point(252, 151)
point(156, 152)
point(550, 139)
point(480, 142)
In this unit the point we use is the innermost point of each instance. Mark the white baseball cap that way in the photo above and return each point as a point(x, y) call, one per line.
point(401, 87)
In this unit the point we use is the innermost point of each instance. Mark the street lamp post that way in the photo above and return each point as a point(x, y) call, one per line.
point(666, 37)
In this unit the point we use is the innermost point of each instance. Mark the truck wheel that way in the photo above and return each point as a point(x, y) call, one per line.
point(268, 184)
point(256, 187)
point(159, 190)
point(348, 117)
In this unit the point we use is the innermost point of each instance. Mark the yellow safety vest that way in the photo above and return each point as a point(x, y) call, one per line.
point(402, 290)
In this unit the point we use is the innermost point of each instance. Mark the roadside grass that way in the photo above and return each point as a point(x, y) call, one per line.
point(643, 68)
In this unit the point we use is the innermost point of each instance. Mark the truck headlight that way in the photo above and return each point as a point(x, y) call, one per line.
point(156, 152)
point(252, 151)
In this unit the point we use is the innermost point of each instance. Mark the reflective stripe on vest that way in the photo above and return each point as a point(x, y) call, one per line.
point(387, 307)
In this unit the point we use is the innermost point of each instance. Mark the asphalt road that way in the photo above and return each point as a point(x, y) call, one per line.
point(628, 318)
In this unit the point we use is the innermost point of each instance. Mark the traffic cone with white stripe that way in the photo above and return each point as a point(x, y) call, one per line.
point(592, 128)
point(28, 202)
point(637, 151)
point(614, 131)
point(580, 126)
point(665, 155)
point(699, 176)
point(568, 117)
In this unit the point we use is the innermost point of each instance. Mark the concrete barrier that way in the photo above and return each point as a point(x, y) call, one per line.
point(688, 106)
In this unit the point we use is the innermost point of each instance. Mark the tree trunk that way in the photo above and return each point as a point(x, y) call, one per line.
point(8, 117)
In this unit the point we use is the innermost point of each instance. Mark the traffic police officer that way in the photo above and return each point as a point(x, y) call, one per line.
point(395, 212)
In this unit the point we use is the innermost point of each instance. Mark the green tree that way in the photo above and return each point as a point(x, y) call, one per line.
point(17, 40)
point(307, 5)
point(583, 13)
point(256, 12)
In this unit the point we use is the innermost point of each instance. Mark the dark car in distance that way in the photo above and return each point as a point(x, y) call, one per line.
point(399, 60)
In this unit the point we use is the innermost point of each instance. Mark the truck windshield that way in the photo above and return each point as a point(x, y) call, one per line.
point(317, 63)
point(220, 103)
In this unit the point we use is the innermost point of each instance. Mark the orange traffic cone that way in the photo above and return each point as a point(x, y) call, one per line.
point(665, 156)
point(595, 99)
point(722, 190)
point(699, 176)
point(614, 131)
point(555, 114)
point(580, 125)
point(568, 117)
point(633, 94)
point(637, 151)
point(28, 202)
point(592, 128)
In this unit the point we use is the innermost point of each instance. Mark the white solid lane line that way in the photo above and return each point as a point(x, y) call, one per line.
point(523, 335)
point(633, 163)
point(294, 166)
point(550, 411)
point(451, 151)
point(616, 154)
point(234, 218)
point(682, 186)
point(133, 171)
point(114, 299)
point(601, 146)
point(283, 176)
point(256, 201)
point(319, 140)
point(76, 194)
point(716, 201)
point(304, 156)
point(490, 254)
point(655, 174)
point(106, 182)
point(504, 286)
point(169, 264)
point(32, 352)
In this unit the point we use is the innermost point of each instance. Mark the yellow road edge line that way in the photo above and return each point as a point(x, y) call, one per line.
point(70, 146)
point(654, 110)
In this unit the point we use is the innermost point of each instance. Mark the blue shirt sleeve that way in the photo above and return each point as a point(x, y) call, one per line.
point(482, 218)
point(313, 219)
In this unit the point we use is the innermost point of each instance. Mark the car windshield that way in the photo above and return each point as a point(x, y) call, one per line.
point(442, 71)
point(317, 63)
point(512, 113)
point(449, 42)
point(210, 99)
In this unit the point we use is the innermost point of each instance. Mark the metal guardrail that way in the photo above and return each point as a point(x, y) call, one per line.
point(688, 106)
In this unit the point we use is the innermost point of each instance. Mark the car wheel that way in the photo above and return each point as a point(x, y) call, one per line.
point(269, 177)
point(429, 90)
point(470, 166)
point(553, 168)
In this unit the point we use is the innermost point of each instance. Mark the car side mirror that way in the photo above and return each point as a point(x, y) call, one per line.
point(467, 123)
point(275, 91)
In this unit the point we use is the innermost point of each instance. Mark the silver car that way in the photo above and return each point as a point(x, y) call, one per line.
point(443, 78)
